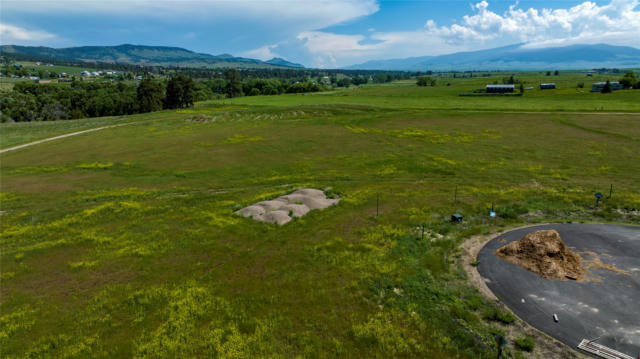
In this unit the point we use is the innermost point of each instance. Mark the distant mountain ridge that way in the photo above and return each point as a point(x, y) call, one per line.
point(516, 57)
point(142, 55)
point(282, 62)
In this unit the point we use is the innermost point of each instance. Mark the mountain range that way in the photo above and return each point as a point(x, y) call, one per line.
point(516, 57)
point(513, 57)
point(142, 55)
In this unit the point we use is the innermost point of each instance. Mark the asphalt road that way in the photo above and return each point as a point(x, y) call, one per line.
point(608, 308)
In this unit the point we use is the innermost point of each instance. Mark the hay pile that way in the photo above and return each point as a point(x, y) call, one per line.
point(282, 209)
point(544, 253)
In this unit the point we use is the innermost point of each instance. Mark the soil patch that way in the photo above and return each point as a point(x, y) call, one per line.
point(544, 253)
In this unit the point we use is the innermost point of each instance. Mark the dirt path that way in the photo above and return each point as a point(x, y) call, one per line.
point(546, 346)
point(59, 137)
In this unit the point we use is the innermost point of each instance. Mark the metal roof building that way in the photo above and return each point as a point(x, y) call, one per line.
point(598, 86)
point(548, 86)
point(500, 88)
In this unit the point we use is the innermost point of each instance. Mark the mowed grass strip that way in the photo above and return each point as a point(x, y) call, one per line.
point(123, 242)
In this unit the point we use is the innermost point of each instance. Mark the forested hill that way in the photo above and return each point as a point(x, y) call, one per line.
point(140, 55)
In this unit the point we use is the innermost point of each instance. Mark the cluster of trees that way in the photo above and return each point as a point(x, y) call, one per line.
point(629, 80)
point(48, 102)
point(510, 80)
point(425, 81)
point(232, 85)
point(30, 101)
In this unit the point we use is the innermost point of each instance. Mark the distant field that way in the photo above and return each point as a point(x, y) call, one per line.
point(442, 97)
point(123, 242)
point(70, 70)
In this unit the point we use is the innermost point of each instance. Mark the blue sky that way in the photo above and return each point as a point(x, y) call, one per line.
point(320, 33)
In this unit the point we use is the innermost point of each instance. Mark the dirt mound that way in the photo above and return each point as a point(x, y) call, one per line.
point(282, 209)
point(544, 253)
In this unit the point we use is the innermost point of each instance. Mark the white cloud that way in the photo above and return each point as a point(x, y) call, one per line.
point(617, 23)
point(303, 15)
point(10, 34)
point(262, 53)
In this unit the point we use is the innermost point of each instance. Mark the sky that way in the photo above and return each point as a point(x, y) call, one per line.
point(321, 33)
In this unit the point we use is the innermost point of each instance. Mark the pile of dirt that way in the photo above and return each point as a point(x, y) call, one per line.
point(282, 209)
point(544, 253)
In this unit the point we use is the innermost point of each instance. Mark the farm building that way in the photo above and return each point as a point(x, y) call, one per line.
point(500, 88)
point(597, 86)
point(549, 86)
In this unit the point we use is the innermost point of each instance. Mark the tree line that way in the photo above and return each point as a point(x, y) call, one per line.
point(29, 101)
point(203, 73)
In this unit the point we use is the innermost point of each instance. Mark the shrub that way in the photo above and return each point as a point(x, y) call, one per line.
point(525, 343)
point(511, 211)
point(498, 315)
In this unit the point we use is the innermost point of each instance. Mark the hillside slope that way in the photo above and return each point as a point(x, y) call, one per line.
point(140, 55)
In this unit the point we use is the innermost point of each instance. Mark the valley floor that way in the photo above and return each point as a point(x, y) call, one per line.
point(123, 242)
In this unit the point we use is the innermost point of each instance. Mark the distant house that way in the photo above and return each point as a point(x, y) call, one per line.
point(549, 86)
point(139, 77)
point(95, 74)
point(598, 86)
point(500, 88)
point(590, 73)
point(85, 73)
point(42, 81)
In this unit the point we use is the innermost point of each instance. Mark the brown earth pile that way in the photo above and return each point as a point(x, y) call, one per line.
point(544, 253)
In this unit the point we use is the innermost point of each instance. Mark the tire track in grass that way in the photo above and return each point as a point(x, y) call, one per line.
point(63, 136)
point(572, 124)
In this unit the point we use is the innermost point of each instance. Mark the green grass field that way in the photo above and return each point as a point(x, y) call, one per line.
point(406, 94)
point(123, 242)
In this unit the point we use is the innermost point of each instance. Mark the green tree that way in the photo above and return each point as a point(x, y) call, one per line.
point(344, 82)
point(180, 92)
point(629, 80)
point(150, 95)
point(234, 83)
point(606, 88)
point(425, 81)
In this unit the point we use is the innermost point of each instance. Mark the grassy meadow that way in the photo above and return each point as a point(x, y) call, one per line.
point(406, 95)
point(123, 242)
